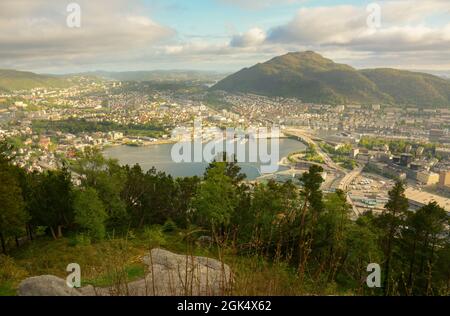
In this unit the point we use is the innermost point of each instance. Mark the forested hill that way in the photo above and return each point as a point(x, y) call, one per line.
point(11, 80)
point(313, 78)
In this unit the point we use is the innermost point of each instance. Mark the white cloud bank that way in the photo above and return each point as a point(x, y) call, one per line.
point(118, 35)
point(35, 33)
point(413, 34)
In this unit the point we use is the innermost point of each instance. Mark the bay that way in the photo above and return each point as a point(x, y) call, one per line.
point(159, 156)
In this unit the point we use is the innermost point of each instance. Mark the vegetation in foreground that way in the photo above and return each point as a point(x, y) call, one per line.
point(279, 239)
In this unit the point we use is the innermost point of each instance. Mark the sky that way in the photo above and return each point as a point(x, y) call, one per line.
point(221, 35)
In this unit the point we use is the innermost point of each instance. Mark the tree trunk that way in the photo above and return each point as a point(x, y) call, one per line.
point(30, 232)
point(141, 221)
point(17, 241)
point(387, 266)
point(60, 231)
point(430, 269)
point(27, 230)
point(301, 242)
point(386, 270)
point(53, 233)
point(2, 240)
point(411, 267)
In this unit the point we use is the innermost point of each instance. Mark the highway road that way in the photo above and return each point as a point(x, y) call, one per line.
point(344, 178)
point(348, 179)
point(309, 139)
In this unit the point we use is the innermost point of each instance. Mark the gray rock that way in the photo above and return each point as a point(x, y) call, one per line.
point(168, 274)
point(172, 274)
point(46, 285)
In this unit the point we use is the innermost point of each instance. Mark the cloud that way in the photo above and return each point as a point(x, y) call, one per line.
point(402, 28)
point(406, 32)
point(121, 35)
point(252, 37)
point(258, 4)
point(35, 31)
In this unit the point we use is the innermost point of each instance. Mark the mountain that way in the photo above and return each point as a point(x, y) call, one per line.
point(407, 87)
point(11, 80)
point(313, 78)
point(160, 75)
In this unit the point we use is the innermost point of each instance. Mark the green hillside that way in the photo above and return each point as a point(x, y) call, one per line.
point(407, 87)
point(11, 80)
point(160, 75)
point(312, 78)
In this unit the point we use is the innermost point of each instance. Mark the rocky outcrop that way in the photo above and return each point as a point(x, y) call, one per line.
point(168, 274)
point(173, 274)
point(46, 285)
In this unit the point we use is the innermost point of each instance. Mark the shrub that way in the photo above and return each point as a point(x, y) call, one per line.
point(155, 236)
point(169, 226)
point(90, 213)
point(80, 240)
point(10, 275)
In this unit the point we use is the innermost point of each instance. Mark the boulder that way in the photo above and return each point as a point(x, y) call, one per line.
point(46, 285)
point(168, 274)
point(172, 274)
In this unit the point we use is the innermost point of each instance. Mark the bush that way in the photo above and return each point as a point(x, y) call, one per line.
point(90, 213)
point(80, 240)
point(169, 226)
point(41, 231)
point(155, 236)
point(131, 235)
point(10, 275)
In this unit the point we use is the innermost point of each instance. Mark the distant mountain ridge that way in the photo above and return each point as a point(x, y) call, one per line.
point(11, 80)
point(313, 78)
point(159, 75)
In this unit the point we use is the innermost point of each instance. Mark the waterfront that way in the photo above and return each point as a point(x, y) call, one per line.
point(159, 156)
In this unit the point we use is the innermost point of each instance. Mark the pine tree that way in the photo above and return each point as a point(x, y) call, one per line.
point(312, 206)
point(391, 221)
point(13, 216)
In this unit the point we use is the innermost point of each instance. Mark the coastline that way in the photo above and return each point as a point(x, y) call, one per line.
point(143, 144)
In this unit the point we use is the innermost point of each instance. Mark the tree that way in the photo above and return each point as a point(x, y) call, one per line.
point(312, 207)
point(273, 210)
point(232, 169)
point(362, 248)
point(443, 268)
point(332, 227)
point(392, 219)
point(108, 178)
point(135, 193)
point(186, 189)
point(215, 200)
point(51, 200)
point(162, 200)
point(423, 237)
point(13, 216)
point(90, 212)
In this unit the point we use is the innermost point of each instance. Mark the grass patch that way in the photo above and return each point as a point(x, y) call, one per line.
point(7, 289)
point(132, 273)
point(118, 261)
